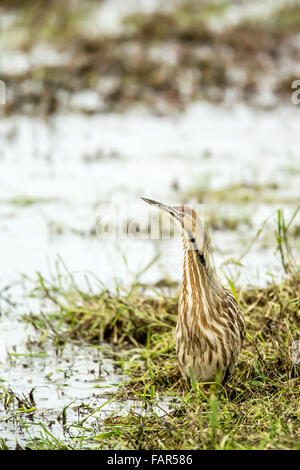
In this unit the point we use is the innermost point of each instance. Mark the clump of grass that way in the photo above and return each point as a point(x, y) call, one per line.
point(286, 19)
point(236, 193)
point(147, 324)
point(258, 409)
point(125, 320)
point(25, 201)
point(181, 25)
point(221, 221)
point(143, 328)
point(282, 239)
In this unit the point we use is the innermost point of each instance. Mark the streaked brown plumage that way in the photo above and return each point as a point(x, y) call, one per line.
point(210, 326)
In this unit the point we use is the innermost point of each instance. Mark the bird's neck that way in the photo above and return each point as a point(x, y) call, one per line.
point(198, 265)
point(199, 287)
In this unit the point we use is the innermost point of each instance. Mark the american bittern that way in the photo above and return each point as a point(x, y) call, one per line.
point(210, 326)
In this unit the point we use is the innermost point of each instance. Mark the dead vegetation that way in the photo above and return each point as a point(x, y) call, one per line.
point(258, 408)
point(163, 61)
point(148, 323)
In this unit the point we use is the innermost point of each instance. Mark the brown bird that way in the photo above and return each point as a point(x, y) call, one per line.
point(210, 327)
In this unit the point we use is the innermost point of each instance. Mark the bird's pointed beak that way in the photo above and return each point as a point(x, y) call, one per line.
point(159, 205)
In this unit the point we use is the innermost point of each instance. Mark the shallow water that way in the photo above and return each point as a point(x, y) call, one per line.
point(58, 176)
point(57, 393)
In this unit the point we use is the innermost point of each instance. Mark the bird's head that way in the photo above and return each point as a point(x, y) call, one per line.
point(191, 222)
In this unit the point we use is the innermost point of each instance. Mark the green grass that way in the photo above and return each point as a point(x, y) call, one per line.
point(258, 409)
point(239, 194)
point(25, 201)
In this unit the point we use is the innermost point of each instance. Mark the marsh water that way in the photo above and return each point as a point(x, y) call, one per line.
point(56, 174)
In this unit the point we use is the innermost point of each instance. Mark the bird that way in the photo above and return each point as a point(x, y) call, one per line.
point(210, 325)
